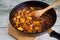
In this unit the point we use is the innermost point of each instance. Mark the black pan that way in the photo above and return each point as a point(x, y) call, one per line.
point(33, 4)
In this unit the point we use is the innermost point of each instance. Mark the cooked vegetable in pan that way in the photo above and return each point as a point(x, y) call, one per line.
point(28, 23)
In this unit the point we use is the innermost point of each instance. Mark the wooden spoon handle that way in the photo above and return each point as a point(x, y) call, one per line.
point(39, 13)
point(51, 6)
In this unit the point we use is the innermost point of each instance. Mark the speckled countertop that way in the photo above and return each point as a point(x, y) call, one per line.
point(5, 8)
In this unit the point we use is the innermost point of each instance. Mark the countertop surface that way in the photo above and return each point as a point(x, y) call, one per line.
point(5, 8)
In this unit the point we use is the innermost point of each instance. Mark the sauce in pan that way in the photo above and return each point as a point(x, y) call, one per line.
point(28, 23)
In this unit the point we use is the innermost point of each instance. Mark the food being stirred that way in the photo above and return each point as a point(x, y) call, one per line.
point(27, 23)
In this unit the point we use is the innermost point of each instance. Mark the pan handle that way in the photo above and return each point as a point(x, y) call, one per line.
point(54, 34)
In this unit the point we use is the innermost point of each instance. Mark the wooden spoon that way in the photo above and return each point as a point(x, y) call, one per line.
point(39, 13)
